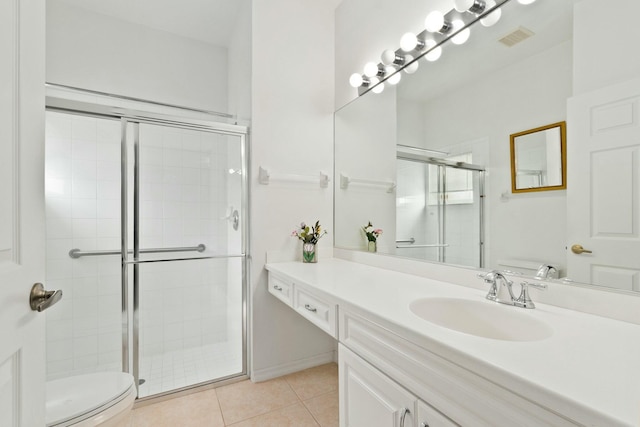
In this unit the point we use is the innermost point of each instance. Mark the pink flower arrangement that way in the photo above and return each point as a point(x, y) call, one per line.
point(371, 233)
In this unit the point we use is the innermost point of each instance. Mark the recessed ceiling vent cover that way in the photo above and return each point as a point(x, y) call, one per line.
point(516, 36)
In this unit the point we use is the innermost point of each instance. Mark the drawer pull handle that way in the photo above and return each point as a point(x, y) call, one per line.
point(310, 308)
point(405, 411)
point(277, 288)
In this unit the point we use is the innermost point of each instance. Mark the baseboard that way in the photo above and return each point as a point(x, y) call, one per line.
point(259, 375)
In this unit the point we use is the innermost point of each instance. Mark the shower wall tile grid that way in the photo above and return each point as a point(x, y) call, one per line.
point(183, 201)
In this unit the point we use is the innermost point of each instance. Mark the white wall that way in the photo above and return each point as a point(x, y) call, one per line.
point(239, 67)
point(292, 132)
point(603, 56)
point(363, 152)
point(94, 51)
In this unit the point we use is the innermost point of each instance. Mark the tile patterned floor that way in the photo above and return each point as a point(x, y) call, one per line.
point(306, 398)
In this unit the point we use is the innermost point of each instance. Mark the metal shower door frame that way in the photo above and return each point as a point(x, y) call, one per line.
point(131, 359)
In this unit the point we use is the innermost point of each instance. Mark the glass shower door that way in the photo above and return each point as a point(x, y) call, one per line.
point(187, 237)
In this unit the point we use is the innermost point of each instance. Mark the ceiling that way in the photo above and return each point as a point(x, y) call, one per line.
point(210, 21)
point(551, 21)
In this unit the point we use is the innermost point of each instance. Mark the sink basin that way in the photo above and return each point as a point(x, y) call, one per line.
point(482, 318)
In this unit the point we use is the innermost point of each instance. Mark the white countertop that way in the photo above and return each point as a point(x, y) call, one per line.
point(588, 370)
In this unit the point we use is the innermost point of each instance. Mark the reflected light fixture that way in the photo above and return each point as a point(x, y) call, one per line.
point(376, 81)
point(493, 17)
point(463, 35)
point(410, 68)
point(434, 52)
point(393, 73)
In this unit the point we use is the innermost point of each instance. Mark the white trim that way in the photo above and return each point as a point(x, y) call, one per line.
point(259, 375)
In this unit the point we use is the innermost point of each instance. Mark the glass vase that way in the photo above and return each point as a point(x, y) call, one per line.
point(372, 246)
point(309, 253)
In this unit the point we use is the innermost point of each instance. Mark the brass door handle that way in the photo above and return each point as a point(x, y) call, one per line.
point(41, 299)
point(578, 249)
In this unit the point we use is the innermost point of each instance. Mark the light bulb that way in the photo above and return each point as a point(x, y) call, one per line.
point(526, 1)
point(408, 42)
point(493, 17)
point(411, 68)
point(435, 22)
point(472, 6)
point(434, 54)
point(356, 80)
point(388, 57)
point(373, 82)
point(463, 35)
point(371, 69)
point(395, 77)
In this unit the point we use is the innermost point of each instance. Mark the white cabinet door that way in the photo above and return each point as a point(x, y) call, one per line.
point(603, 186)
point(368, 398)
point(427, 416)
point(22, 359)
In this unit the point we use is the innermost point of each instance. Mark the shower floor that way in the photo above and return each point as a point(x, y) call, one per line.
point(181, 368)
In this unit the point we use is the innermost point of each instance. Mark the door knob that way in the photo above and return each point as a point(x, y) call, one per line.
point(578, 249)
point(40, 300)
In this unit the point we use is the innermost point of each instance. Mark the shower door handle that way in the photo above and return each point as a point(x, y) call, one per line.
point(40, 299)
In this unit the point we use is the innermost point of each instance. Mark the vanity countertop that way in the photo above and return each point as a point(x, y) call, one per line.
point(588, 370)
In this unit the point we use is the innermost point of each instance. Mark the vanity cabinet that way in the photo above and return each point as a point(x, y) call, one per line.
point(370, 398)
point(311, 305)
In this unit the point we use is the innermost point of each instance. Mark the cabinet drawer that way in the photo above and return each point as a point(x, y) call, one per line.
point(317, 310)
point(281, 289)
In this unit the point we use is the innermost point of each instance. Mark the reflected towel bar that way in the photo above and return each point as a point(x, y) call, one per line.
point(411, 240)
point(77, 253)
point(421, 246)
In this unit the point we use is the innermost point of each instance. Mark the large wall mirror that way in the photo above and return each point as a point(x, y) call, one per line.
point(440, 140)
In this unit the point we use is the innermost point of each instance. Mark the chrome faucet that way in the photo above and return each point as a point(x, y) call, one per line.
point(546, 271)
point(501, 290)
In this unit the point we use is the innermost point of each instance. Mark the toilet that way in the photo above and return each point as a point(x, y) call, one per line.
point(102, 398)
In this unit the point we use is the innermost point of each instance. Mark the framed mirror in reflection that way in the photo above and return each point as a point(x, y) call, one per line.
point(539, 159)
point(440, 135)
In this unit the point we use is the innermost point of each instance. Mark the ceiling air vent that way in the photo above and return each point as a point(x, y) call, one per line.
point(516, 36)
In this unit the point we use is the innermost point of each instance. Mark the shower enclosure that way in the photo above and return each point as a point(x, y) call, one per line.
point(147, 237)
point(439, 206)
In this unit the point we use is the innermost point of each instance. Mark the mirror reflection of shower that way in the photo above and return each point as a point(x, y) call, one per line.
point(439, 209)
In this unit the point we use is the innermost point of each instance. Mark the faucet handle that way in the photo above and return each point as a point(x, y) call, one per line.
point(524, 300)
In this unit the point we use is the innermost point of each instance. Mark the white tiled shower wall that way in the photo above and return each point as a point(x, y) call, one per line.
point(184, 199)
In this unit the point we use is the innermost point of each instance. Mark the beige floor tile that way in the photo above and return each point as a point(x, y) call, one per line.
point(315, 381)
point(324, 409)
point(125, 422)
point(195, 410)
point(290, 416)
point(245, 399)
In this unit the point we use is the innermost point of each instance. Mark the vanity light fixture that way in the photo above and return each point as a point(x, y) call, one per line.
point(435, 23)
point(440, 27)
point(410, 42)
point(471, 6)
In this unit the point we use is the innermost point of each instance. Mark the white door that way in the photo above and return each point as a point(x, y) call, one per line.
point(22, 358)
point(369, 398)
point(603, 186)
